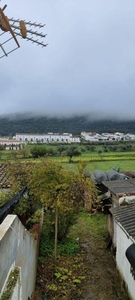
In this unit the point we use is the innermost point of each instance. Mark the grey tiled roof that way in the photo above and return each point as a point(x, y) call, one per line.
point(125, 215)
point(121, 186)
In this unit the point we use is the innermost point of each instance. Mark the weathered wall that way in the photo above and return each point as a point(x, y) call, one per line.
point(123, 242)
point(17, 248)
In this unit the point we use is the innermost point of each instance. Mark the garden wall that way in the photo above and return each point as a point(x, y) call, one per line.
point(18, 260)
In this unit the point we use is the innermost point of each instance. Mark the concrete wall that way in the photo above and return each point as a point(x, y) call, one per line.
point(123, 242)
point(17, 249)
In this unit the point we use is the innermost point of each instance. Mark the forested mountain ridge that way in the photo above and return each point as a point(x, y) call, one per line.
point(74, 125)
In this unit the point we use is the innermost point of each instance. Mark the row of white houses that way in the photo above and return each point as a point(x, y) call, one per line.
point(47, 138)
point(117, 136)
point(69, 138)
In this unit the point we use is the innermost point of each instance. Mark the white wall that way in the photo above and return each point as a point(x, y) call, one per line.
point(17, 248)
point(123, 242)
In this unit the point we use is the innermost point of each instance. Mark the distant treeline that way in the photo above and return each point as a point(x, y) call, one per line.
point(74, 125)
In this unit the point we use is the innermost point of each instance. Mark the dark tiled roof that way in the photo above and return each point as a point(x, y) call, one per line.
point(4, 182)
point(125, 215)
point(117, 187)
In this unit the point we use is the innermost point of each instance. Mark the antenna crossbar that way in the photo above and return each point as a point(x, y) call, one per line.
point(28, 23)
point(30, 31)
point(32, 40)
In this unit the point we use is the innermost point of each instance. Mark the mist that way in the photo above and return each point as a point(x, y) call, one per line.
point(88, 67)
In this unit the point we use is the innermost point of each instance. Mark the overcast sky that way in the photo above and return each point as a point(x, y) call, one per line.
point(87, 67)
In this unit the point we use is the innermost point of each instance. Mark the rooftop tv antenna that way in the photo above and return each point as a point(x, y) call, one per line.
point(10, 29)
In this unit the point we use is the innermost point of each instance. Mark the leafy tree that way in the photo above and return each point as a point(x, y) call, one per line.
point(24, 152)
point(105, 148)
point(59, 190)
point(61, 148)
point(38, 151)
point(91, 147)
point(129, 147)
point(100, 153)
point(1, 147)
point(72, 151)
point(50, 151)
point(52, 187)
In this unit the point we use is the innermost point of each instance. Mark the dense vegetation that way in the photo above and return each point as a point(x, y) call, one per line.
point(77, 124)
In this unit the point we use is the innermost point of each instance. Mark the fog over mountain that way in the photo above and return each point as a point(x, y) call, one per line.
point(29, 123)
point(93, 117)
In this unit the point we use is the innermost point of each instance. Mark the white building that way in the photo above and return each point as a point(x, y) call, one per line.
point(125, 244)
point(47, 138)
point(129, 137)
point(121, 226)
point(11, 144)
point(89, 136)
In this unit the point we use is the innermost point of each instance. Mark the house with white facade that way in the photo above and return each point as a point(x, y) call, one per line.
point(121, 227)
point(50, 137)
point(11, 144)
point(106, 136)
point(124, 223)
point(129, 137)
point(90, 136)
point(121, 192)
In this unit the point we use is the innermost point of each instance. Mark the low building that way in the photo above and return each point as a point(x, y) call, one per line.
point(124, 220)
point(11, 144)
point(121, 226)
point(50, 137)
point(118, 189)
point(90, 136)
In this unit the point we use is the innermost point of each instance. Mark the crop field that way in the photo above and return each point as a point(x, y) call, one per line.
point(91, 160)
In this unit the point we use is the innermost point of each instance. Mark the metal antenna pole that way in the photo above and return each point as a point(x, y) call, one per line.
point(4, 7)
point(17, 27)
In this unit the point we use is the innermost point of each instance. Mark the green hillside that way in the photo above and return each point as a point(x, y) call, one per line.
point(24, 124)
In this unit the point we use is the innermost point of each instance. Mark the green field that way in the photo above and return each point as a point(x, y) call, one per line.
point(92, 160)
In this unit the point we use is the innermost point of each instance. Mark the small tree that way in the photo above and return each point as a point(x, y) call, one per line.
point(38, 151)
point(72, 151)
point(59, 190)
point(24, 152)
point(50, 152)
point(61, 148)
point(100, 153)
point(51, 187)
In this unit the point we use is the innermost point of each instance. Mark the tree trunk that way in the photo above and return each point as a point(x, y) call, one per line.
point(56, 236)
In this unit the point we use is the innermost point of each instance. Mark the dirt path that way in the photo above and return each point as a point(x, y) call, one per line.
point(102, 280)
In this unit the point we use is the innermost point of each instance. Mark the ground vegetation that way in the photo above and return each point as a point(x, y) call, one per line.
point(85, 268)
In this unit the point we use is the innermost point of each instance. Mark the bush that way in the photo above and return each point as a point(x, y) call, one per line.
point(68, 246)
